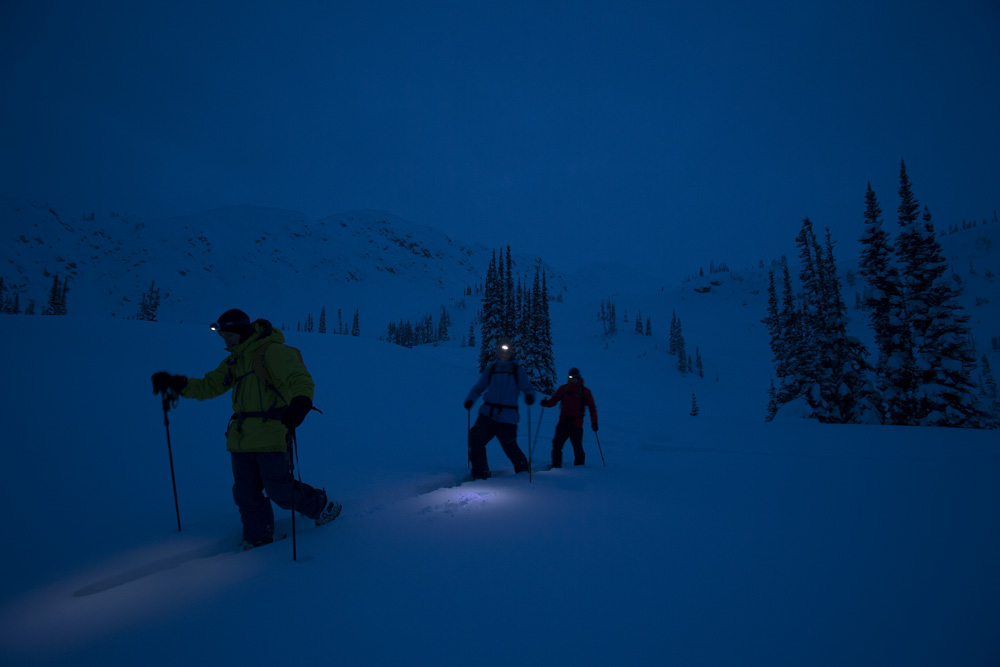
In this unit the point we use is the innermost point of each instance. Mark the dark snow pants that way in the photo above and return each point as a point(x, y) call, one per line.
point(257, 472)
point(565, 429)
point(484, 430)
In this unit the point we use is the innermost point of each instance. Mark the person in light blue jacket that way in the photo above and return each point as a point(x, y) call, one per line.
point(499, 385)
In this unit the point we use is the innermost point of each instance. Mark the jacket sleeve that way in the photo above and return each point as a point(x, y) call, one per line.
point(288, 372)
point(588, 397)
point(480, 386)
point(209, 386)
point(553, 400)
point(524, 382)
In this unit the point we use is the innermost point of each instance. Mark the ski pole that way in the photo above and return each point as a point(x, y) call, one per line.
point(170, 399)
point(468, 443)
point(293, 451)
point(529, 444)
point(539, 427)
point(600, 450)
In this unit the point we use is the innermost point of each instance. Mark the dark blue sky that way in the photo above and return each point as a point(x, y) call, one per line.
point(666, 133)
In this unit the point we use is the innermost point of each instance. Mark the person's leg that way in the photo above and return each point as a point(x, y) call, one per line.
point(255, 509)
point(480, 434)
point(507, 434)
point(282, 487)
point(558, 440)
point(576, 438)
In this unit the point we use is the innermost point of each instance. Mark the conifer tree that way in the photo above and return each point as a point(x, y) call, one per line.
point(57, 298)
point(772, 403)
point(884, 302)
point(545, 370)
point(489, 327)
point(943, 393)
point(694, 405)
point(356, 327)
point(322, 320)
point(150, 303)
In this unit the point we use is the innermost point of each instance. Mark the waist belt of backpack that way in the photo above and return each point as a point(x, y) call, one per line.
point(499, 406)
point(273, 413)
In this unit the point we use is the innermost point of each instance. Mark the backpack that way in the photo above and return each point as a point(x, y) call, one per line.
point(259, 369)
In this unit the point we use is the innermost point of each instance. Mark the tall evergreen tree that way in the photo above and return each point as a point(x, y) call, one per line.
point(943, 393)
point(490, 322)
point(884, 301)
point(149, 304)
point(57, 298)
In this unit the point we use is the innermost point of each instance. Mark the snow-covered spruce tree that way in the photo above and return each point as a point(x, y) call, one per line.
point(149, 304)
point(791, 350)
point(833, 368)
point(545, 373)
point(444, 323)
point(694, 406)
point(885, 303)
point(943, 364)
point(57, 298)
point(356, 328)
point(772, 403)
point(850, 375)
point(489, 327)
point(322, 320)
point(812, 357)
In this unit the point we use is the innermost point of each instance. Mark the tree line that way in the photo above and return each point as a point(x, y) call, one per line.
point(925, 364)
point(521, 314)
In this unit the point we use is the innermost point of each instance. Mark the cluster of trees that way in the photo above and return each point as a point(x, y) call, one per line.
point(608, 317)
point(311, 325)
point(639, 330)
point(685, 363)
point(10, 304)
point(520, 314)
point(924, 366)
point(721, 267)
point(408, 334)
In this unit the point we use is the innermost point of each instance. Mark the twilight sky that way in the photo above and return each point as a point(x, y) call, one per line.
point(668, 133)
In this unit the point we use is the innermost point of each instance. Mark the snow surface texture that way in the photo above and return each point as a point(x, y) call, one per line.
point(709, 540)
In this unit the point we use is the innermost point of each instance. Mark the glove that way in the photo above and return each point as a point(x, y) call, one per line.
point(164, 382)
point(469, 403)
point(296, 412)
point(529, 398)
point(593, 427)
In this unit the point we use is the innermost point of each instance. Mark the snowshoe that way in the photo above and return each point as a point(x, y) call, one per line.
point(329, 513)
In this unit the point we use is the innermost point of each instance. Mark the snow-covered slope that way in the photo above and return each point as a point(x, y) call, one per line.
point(708, 540)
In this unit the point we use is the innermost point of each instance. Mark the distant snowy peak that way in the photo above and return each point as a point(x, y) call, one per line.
point(274, 256)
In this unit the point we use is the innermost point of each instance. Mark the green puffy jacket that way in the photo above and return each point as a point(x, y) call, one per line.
point(287, 378)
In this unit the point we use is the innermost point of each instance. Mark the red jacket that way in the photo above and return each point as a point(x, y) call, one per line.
point(575, 399)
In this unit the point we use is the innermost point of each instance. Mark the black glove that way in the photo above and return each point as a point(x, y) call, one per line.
point(164, 382)
point(529, 398)
point(593, 427)
point(469, 403)
point(296, 412)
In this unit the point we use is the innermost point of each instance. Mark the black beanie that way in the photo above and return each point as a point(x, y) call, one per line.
point(574, 372)
point(235, 321)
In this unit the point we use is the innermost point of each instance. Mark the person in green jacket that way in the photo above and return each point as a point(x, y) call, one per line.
point(272, 393)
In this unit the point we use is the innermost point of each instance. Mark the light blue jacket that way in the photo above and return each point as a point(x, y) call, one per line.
point(501, 382)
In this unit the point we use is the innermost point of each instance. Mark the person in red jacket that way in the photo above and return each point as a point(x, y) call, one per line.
point(575, 400)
